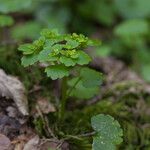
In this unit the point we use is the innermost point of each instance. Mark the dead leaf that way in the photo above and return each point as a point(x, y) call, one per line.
point(20, 141)
point(19, 146)
point(53, 144)
point(12, 112)
point(45, 106)
point(11, 87)
point(4, 142)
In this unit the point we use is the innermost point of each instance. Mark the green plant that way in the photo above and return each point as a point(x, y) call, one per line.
point(65, 59)
point(62, 53)
point(129, 43)
point(108, 132)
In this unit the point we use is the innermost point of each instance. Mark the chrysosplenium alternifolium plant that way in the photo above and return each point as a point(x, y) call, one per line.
point(65, 59)
point(61, 52)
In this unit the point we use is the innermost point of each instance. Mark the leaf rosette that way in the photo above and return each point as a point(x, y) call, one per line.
point(60, 52)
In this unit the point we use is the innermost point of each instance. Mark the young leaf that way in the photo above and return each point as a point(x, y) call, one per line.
point(26, 49)
point(71, 44)
point(29, 60)
point(57, 71)
point(67, 61)
point(49, 34)
point(46, 55)
point(109, 133)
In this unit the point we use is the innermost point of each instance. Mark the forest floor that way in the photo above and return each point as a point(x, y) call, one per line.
point(123, 95)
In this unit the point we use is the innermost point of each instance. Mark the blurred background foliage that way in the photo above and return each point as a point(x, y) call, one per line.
point(122, 25)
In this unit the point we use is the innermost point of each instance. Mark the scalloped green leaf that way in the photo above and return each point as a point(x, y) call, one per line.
point(57, 71)
point(71, 44)
point(45, 55)
point(29, 60)
point(26, 49)
point(49, 43)
point(90, 77)
point(6, 20)
point(67, 61)
point(79, 88)
point(83, 58)
point(49, 34)
point(109, 133)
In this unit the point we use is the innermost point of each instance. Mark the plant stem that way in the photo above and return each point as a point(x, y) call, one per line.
point(63, 98)
point(48, 130)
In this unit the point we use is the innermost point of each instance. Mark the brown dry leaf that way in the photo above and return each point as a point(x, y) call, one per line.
point(4, 142)
point(11, 87)
point(32, 144)
point(20, 141)
point(46, 145)
point(53, 144)
point(45, 106)
point(19, 146)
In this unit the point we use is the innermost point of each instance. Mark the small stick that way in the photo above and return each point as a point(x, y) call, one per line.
point(87, 134)
point(45, 120)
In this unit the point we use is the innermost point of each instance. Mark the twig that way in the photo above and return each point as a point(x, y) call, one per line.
point(45, 121)
point(59, 145)
point(87, 134)
point(49, 129)
point(49, 140)
point(35, 89)
point(58, 142)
